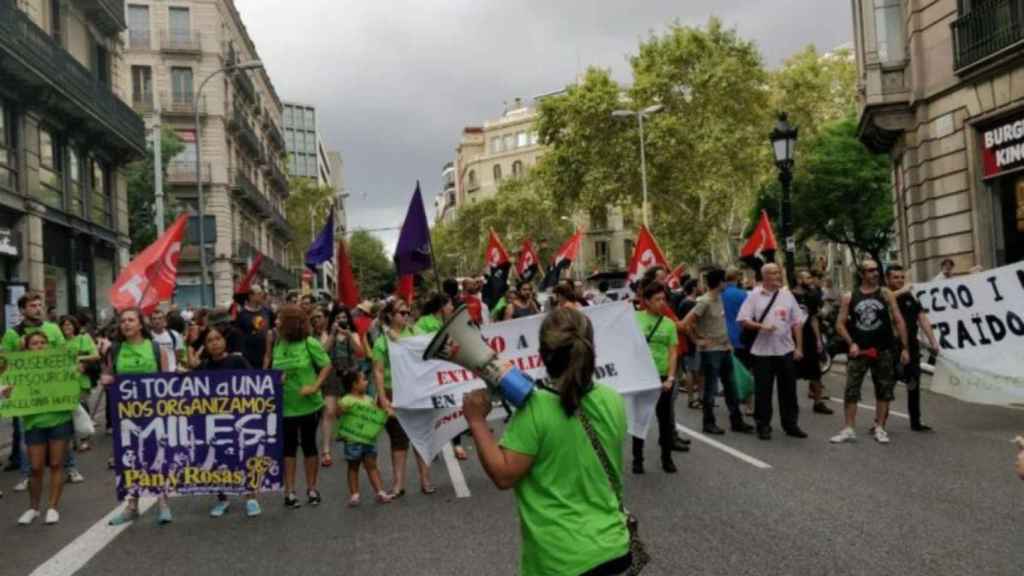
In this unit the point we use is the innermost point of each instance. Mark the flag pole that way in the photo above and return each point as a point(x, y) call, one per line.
point(433, 261)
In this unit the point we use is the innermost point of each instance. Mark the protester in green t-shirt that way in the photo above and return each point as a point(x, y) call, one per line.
point(306, 366)
point(663, 340)
point(394, 318)
point(436, 310)
point(133, 353)
point(546, 455)
point(355, 384)
point(46, 434)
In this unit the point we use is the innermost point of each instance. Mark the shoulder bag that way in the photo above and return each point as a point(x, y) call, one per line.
point(748, 336)
point(637, 549)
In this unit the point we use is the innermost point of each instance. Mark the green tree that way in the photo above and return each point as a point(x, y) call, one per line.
point(142, 195)
point(707, 149)
point(372, 267)
point(306, 210)
point(815, 89)
point(842, 191)
point(522, 208)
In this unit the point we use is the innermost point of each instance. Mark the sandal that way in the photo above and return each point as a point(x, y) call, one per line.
point(428, 489)
point(383, 497)
point(84, 446)
point(460, 453)
point(695, 404)
point(325, 460)
point(397, 495)
point(353, 500)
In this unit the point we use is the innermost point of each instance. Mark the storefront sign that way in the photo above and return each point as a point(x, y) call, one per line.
point(9, 242)
point(1002, 147)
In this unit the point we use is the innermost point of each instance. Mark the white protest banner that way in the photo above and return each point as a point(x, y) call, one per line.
point(428, 394)
point(979, 323)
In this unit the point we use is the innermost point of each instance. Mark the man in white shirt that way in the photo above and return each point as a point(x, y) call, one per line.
point(170, 342)
point(772, 310)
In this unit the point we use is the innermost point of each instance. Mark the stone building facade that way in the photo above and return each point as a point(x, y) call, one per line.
point(172, 49)
point(942, 91)
point(65, 135)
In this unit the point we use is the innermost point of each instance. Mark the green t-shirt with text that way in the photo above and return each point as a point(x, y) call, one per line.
point(301, 363)
point(661, 341)
point(83, 345)
point(136, 358)
point(569, 515)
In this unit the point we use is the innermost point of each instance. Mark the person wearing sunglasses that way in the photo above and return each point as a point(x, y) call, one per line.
point(394, 319)
point(867, 318)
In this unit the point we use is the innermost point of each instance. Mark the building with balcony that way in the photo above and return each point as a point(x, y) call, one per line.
point(171, 50)
point(941, 92)
point(508, 147)
point(65, 134)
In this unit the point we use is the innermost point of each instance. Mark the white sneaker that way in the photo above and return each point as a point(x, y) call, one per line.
point(845, 435)
point(52, 516)
point(21, 486)
point(75, 477)
point(28, 517)
point(881, 436)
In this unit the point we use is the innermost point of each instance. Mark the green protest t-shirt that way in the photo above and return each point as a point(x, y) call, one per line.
point(13, 342)
point(301, 363)
point(428, 324)
point(569, 515)
point(348, 400)
point(662, 341)
point(380, 354)
point(83, 345)
point(136, 358)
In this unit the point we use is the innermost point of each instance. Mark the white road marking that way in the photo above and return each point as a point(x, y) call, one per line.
point(727, 449)
point(872, 408)
point(77, 554)
point(455, 472)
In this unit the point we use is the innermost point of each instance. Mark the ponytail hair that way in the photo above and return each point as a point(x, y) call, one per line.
point(567, 349)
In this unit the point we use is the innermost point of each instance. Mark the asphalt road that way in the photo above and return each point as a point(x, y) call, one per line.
point(936, 504)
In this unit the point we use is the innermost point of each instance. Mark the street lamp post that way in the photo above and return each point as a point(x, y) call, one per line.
point(783, 138)
point(640, 115)
point(255, 64)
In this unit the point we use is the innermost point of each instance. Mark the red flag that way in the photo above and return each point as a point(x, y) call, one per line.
point(496, 256)
point(675, 279)
point(246, 282)
point(761, 241)
point(527, 261)
point(646, 255)
point(404, 290)
point(563, 259)
point(150, 277)
point(348, 290)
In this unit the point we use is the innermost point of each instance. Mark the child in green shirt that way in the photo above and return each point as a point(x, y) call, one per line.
point(355, 384)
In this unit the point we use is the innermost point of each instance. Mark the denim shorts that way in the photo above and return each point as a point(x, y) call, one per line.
point(38, 436)
point(355, 452)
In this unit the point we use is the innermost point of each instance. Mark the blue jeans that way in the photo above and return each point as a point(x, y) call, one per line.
point(25, 467)
point(717, 365)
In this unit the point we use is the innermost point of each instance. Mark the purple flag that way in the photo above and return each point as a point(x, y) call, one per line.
point(413, 252)
point(322, 249)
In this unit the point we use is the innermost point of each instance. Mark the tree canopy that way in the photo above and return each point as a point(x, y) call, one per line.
point(370, 265)
point(306, 210)
point(142, 192)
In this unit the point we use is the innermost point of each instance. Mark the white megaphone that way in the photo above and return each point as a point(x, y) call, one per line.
point(459, 341)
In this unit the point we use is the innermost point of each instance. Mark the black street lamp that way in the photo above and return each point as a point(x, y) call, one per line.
point(783, 139)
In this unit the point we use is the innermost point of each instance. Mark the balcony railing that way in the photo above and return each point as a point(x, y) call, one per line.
point(108, 14)
point(139, 39)
point(180, 104)
point(988, 28)
point(31, 57)
point(278, 178)
point(184, 172)
point(246, 135)
point(181, 41)
point(247, 192)
point(278, 221)
point(275, 135)
point(245, 85)
point(143, 103)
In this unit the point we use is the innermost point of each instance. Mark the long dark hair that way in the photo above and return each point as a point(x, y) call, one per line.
point(144, 330)
point(567, 349)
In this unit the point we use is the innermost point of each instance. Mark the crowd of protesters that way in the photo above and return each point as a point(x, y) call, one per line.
point(704, 333)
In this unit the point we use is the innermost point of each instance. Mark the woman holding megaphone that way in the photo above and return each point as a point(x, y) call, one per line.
point(562, 454)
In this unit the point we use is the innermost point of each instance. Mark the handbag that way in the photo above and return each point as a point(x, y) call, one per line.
point(84, 426)
point(637, 549)
point(749, 336)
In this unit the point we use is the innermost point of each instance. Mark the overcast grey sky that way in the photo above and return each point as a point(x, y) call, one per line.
point(395, 81)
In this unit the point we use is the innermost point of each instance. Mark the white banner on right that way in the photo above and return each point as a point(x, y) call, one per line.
point(979, 323)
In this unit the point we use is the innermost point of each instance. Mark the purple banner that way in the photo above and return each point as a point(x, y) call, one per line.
point(198, 433)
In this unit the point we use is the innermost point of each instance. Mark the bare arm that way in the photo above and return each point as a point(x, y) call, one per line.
point(268, 351)
point(926, 327)
point(504, 467)
point(378, 381)
point(673, 358)
point(844, 315)
point(897, 316)
point(357, 343)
